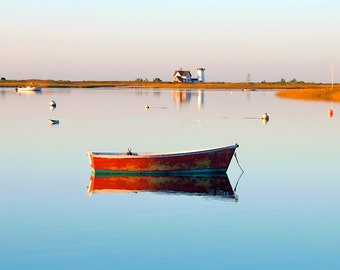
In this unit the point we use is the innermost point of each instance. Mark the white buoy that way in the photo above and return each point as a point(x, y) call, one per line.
point(54, 121)
point(265, 116)
point(52, 103)
point(147, 107)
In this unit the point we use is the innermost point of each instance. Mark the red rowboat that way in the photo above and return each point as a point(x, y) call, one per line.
point(217, 185)
point(203, 161)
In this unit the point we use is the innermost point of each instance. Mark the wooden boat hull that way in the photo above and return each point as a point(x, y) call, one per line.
point(205, 161)
point(217, 185)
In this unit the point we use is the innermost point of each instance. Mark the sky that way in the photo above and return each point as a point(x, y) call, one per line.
point(234, 40)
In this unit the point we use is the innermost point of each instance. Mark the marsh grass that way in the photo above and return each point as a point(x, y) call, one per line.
point(324, 94)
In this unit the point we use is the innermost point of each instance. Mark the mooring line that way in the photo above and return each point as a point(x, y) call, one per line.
point(238, 163)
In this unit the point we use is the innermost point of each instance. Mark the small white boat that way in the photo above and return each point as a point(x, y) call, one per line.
point(28, 88)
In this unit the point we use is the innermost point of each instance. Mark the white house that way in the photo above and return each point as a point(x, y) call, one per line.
point(181, 76)
point(185, 76)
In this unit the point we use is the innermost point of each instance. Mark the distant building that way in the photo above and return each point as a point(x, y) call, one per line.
point(181, 76)
point(184, 76)
point(200, 74)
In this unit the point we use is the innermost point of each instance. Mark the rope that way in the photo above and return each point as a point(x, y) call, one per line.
point(238, 163)
point(240, 174)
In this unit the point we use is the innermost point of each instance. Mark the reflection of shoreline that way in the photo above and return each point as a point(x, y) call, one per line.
point(184, 96)
point(215, 186)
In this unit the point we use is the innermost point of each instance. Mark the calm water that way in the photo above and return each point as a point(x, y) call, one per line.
point(286, 215)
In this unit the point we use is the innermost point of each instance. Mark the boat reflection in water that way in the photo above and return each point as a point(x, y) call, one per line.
point(215, 186)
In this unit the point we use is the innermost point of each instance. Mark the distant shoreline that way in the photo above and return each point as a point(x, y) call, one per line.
point(305, 91)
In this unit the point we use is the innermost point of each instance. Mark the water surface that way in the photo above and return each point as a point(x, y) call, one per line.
point(286, 215)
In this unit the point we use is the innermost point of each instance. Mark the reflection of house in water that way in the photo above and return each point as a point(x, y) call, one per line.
point(181, 96)
point(184, 96)
point(200, 99)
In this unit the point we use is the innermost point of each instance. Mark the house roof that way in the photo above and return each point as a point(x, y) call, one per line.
point(182, 72)
point(178, 78)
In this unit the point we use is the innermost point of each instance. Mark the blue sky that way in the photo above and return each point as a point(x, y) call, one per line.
point(125, 40)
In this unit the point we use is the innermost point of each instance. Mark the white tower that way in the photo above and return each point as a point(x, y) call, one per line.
point(200, 74)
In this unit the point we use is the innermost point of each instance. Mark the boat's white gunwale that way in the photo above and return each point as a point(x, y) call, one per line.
point(161, 154)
